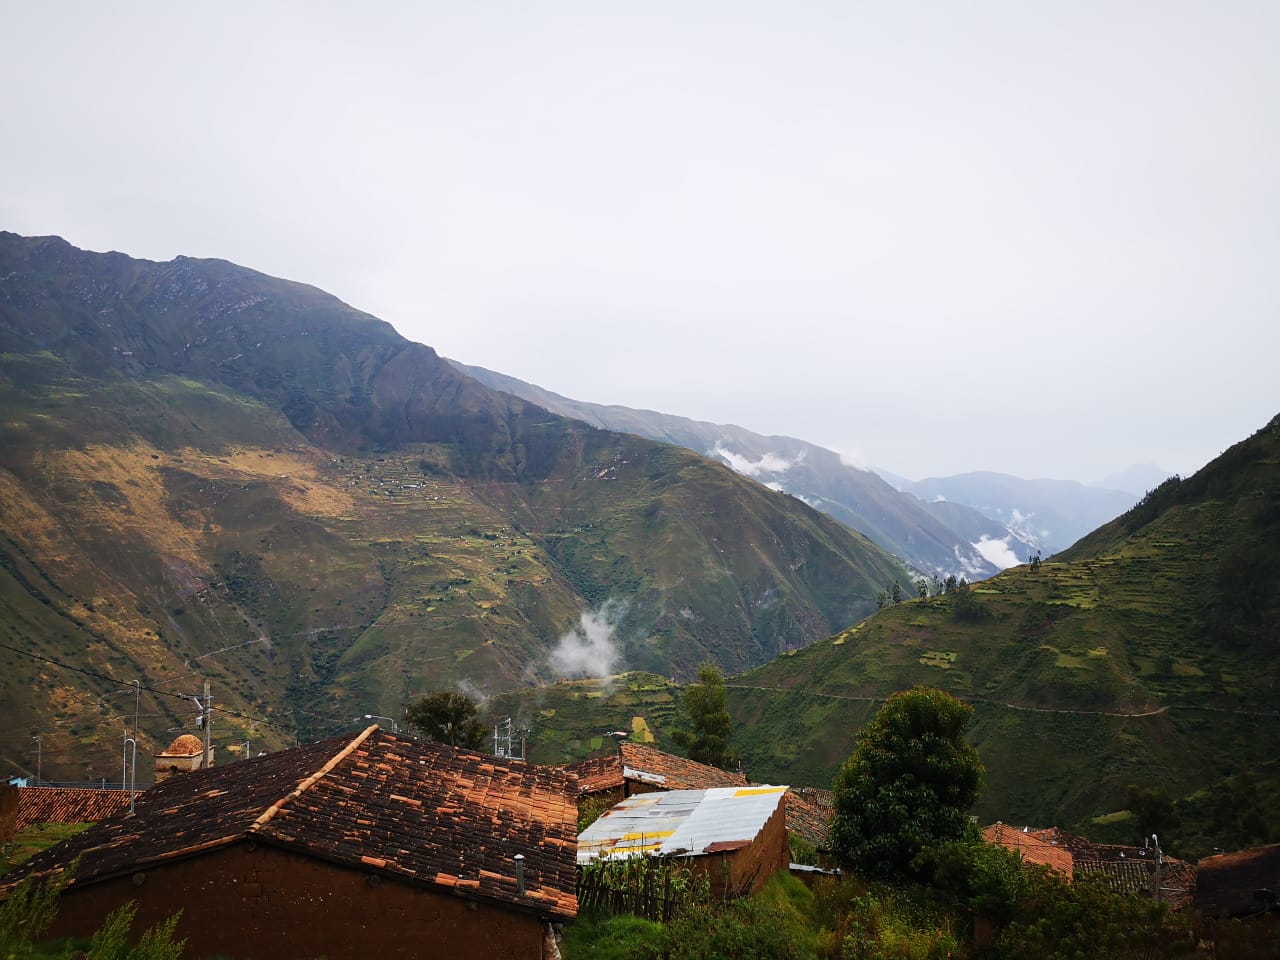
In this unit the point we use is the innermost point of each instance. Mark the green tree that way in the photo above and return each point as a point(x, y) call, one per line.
point(907, 786)
point(1153, 812)
point(707, 739)
point(447, 717)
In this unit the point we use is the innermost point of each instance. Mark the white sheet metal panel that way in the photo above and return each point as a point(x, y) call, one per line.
point(679, 822)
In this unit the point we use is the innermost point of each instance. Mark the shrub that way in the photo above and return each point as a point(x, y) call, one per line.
point(887, 924)
point(27, 914)
point(752, 928)
point(621, 937)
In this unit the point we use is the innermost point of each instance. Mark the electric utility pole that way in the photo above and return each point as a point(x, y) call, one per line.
point(205, 721)
point(208, 726)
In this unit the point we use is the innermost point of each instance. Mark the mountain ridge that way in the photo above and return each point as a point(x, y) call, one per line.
point(859, 498)
point(206, 471)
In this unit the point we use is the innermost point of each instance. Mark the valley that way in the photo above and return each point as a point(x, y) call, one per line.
point(208, 474)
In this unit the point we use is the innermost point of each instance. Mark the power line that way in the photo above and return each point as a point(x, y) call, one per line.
point(329, 722)
point(244, 716)
point(90, 673)
point(130, 683)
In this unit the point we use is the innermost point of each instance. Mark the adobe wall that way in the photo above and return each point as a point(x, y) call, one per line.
point(744, 871)
point(752, 866)
point(256, 901)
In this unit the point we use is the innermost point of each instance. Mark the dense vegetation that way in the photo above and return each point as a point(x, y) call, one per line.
point(1144, 657)
point(980, 902)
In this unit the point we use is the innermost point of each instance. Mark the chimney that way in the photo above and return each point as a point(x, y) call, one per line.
point(519, 874)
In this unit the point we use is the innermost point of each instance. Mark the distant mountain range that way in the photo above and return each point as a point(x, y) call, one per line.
point(970, 526)
point(1048, 514)
point(209, 473)
point(1136, 479)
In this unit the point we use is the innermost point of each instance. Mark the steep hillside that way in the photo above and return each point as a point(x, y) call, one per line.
point(207, 473)
point(926, 539)
point(1145, 655)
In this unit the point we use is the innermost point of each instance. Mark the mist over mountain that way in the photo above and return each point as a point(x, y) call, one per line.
point(1047, 514)
point(955, 540)
point(1136, 479)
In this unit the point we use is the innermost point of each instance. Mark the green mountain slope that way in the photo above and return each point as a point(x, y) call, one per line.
point(207, 473)
point(1146, 654)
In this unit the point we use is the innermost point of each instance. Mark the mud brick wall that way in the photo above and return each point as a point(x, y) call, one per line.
point(252, 900)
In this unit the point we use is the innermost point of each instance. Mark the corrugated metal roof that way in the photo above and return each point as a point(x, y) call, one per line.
point(680, 822)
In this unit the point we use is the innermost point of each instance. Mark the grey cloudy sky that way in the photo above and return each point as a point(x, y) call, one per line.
point(1035, 237)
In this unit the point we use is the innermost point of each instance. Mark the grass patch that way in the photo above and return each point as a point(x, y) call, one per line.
point(1120, 816)
point(943, 660)
point(33, 839)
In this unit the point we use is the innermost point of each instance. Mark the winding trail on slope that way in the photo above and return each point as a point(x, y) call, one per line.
point(1026, 709)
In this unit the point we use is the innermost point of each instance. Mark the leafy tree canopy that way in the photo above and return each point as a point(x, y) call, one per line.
point(707, 739)
point(447, 717)
point(907, 786)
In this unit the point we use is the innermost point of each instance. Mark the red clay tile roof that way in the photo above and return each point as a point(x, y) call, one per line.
point(642, 764)
point(67, 805)
point(597, 774)
point(186, 745)
point(418, 810)
point(1127, 868)
point(1226, 883)
point(809, 813)
point(1036, 846)
point(678, 773)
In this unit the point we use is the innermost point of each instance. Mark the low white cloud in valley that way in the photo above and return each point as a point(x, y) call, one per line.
point(997, 551)
point(590, 648)
point(769, 463)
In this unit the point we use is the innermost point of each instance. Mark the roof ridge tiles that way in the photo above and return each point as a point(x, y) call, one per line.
point(306, 784)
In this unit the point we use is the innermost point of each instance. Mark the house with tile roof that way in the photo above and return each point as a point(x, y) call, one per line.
point(1244, 883)
point(636, 768)
point(736, 835)
point(1126, 868)
point(1035, 846)
point(809, 813)
point(38, 805)
point(377, 844)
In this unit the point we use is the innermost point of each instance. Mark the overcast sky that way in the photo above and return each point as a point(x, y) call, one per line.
point(1041, 238)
